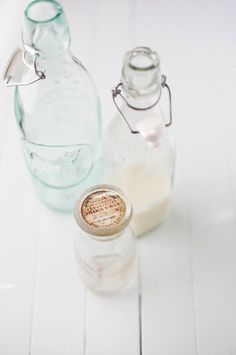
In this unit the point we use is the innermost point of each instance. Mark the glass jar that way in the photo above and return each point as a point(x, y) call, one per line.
point(139, 150)
point(105, 246)
point(57, 108)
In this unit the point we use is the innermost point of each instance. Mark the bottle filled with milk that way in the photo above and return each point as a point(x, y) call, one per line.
point(139, 149)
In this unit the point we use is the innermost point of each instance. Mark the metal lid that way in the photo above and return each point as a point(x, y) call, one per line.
point(103, 211)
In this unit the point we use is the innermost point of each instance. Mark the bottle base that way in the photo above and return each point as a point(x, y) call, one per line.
point(112, 284)
point(129, 285)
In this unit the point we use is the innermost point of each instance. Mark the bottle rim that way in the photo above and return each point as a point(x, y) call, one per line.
point(55, 6)
point(149, 59)
point(141, 73)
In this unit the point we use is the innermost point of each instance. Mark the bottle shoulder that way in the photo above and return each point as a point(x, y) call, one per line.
point(64, 77)
point(121, 144)
point(117, 126)
point(65, 104)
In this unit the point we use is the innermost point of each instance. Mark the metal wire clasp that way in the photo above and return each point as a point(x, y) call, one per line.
point(117, 91)
point(17, 63)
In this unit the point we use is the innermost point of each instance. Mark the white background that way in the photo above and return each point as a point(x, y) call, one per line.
point(188, 266)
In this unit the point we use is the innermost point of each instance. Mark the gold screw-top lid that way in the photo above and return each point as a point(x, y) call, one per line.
point(103, 211)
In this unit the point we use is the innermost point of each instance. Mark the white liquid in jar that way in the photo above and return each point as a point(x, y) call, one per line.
point(149, 192)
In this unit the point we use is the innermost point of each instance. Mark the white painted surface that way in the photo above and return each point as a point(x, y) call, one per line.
point(187, 266)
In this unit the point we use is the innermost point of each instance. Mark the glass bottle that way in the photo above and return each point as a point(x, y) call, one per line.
point(139, 150)
point(57, 108)
point(105, 246)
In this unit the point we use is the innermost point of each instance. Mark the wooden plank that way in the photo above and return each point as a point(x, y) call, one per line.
point(214, 264)
point(213, 237)
point(112, 325)
point(59, 312)
point(111, 39)
point(18, 248)
point(204, 159)
point(168, 325)
point(18, 209)
point(8, 43)
point(168, 316)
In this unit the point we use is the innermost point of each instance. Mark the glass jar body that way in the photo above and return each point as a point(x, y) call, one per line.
point(59, 123)
point(106, 264)
point(144, 173)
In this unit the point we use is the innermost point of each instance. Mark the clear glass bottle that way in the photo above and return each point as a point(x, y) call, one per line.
point(105, 246)
point(59, 116)
point(139, 151)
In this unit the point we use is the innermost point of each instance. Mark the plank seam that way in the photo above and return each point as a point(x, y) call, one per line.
point(133, 5)
point(85, 323)
point(35, 272)
point(140, 324)
point(191, 266)
point(140, 305)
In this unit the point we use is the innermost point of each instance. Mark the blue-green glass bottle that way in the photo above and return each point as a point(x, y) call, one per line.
point(58, 116)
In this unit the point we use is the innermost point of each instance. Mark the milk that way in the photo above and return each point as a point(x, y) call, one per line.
point(149, 192)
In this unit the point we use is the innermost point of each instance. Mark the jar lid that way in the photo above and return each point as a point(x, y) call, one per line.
point(103, 210)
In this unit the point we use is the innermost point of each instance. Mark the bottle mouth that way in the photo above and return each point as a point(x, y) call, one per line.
point(43, 11)
point(142, 58)
point(141, 72)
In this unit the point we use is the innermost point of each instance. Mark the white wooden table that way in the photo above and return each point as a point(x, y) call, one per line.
point(186, 304)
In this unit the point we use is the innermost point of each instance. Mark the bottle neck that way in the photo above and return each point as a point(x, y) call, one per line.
point(143, 101)
point(45, 29)
point(146, 107)
point(141, 74)
point(141, 84)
